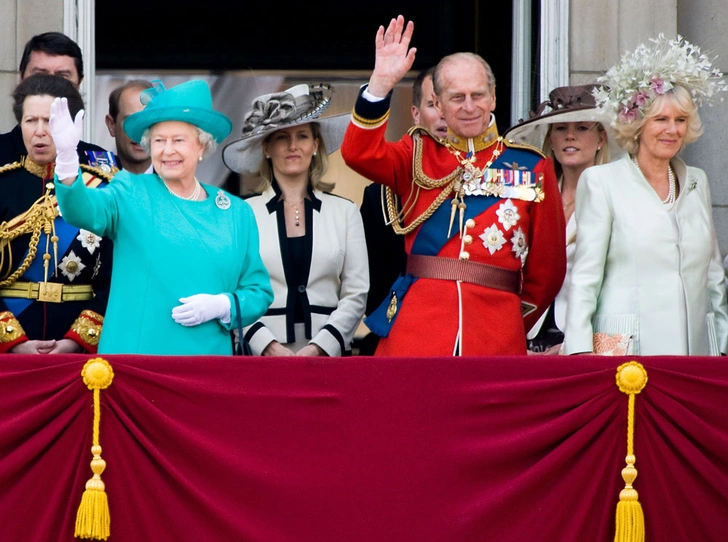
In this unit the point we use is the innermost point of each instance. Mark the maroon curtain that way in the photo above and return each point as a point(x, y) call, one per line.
point(364, 449)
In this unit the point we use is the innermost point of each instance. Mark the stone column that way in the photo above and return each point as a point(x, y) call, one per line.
point(705, 23)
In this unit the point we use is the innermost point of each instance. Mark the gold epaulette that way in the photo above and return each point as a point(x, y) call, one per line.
point(524, 146)
point(10, 167)
point(106, 176)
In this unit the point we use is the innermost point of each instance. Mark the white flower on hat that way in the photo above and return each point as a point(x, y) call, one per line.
point(652, 70)
point(493, 239)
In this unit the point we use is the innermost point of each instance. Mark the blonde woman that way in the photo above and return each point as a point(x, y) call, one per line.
point(312, 242)
point(573, 132)
point(647, 264)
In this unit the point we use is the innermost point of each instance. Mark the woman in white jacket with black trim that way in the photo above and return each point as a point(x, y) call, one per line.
point(312, 242)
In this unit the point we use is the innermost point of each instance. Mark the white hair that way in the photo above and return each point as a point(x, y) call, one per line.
point(205, 139)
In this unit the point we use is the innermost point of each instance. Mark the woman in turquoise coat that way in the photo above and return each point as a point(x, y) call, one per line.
point(183, 250)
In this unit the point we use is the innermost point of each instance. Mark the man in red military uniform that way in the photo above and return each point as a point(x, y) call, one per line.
point(482, 218)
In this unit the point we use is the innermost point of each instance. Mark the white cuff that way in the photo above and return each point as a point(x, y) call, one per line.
point(368, 96)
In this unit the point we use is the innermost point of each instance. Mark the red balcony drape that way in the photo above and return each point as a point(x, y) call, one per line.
point(364, 449)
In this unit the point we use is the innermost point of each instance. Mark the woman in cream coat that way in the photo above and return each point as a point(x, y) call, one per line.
point(311, 242)
point(647, 262)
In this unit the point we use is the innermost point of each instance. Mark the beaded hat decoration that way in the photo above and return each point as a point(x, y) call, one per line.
point(653, 69)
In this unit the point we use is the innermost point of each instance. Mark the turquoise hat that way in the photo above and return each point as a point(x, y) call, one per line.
point(187, 102)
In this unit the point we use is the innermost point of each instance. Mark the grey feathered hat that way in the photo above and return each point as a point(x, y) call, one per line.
point(300, 104)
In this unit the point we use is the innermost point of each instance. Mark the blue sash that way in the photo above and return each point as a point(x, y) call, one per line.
point(36, 272)
point(430, 240)
point(431, 236)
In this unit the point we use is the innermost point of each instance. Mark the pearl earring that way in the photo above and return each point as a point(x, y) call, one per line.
point(599, 148)
point(267, 157)
point(314, 153)
point(199, 159)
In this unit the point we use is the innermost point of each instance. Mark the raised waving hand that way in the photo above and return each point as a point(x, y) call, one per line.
point(393, 56)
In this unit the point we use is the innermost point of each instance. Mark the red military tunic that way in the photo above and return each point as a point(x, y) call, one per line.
point(438, 317)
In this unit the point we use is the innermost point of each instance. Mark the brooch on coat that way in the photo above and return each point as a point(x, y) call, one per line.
point(222, 201)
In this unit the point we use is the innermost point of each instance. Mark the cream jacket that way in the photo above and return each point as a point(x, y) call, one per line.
point(338, 277)
point(644, 271)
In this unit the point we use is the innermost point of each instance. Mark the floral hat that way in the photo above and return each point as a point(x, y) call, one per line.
point(565, 104)
point(297, 105)
point(652, 70)
point(190, 102)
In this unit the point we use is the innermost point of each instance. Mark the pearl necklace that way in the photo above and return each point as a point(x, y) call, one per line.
point(295, 208)
point(192, 197)
point(670, 199)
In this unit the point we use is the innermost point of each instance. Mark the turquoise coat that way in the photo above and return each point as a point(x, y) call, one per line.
point(166, 248)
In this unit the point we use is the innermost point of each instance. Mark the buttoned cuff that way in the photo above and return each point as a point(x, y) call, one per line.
point(11, 332)
point(86, 331)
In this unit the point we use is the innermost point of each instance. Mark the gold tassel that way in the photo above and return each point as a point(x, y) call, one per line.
point(630, 520)
point(93, 519)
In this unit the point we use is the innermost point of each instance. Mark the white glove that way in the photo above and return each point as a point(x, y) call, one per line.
point(200, 308)
point(66, 133)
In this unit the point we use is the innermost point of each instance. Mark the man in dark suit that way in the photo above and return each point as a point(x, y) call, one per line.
point(124, 101)
point(53, 53)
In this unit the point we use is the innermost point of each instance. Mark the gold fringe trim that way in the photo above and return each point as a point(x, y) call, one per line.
point(93, 519)
point(630, 520)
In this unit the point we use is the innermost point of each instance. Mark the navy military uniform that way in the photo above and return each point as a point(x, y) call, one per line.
point(54, 278)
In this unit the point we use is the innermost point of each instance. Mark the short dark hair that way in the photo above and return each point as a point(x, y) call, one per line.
point(417, 86)
point(115, 95)
point(43, 84)
point(52, 43)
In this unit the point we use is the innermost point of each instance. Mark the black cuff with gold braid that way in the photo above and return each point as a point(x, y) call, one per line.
point(86, 330)
point(10, 331)
point(370, 114)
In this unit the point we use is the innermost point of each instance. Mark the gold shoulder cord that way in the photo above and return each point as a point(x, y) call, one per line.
point(10, 167)
point(421, 180)
point(39, 218)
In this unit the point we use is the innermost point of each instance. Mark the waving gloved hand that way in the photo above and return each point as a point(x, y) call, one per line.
point(66, 133)
point(200, 308)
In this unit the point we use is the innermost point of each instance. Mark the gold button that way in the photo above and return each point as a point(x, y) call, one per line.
point(464, 255)
point(91, 332)
point(470, 223)
point(467, 239)
point(72, 267)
